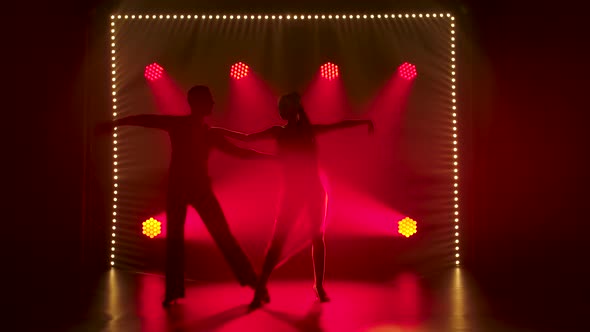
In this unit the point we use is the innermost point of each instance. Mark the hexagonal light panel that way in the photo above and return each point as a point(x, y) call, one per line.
point(152, 228)
point(407, 227)
point(407, 71)
point(329, 71)
point(239, 70)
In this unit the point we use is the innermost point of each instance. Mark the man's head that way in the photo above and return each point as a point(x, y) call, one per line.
point(290, 106)
point(200, 100)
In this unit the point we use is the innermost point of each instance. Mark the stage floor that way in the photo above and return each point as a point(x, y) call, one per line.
point(443, 301)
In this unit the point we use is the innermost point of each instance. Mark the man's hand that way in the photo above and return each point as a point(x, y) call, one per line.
point(371, 127)
point(267, 156)
point(104, 128)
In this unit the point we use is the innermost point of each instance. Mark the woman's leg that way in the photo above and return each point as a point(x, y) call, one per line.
point(290, 208)
point(317, 216)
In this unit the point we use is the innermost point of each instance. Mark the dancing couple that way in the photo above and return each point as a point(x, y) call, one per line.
point(192, 139)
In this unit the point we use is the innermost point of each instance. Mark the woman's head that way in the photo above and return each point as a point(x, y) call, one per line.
point(290, 106)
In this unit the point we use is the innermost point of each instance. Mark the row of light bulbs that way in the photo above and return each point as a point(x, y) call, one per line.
point(455, 148)
point(280, 17)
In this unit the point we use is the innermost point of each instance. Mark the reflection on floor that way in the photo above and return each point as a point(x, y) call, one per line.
point(127, 301)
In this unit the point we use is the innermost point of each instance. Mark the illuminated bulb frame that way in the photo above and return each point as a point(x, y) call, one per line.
point(115, 156)
point(385, 16)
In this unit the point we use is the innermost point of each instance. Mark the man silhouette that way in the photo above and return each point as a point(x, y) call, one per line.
point(189, 184)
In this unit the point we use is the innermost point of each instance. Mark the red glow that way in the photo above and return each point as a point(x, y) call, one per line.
point(407, 227)
point(153, 72)
point(388, 110)
point(350, 210)
point(169, 97)
point(407, 71)
point(239, 70)
point(329, 71)
point(151, 228)
point(252, 106)
point(400, 304)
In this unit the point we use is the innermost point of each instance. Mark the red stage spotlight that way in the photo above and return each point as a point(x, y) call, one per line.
point(153, 72)
point(329, 71)
point(407, 71)
point(152, 228)
point(239, 70)
point(407, 227)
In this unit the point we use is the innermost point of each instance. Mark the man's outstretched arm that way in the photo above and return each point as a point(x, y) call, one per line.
point(147, 120)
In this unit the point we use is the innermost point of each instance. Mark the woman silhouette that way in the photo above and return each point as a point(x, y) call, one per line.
point(302, 188)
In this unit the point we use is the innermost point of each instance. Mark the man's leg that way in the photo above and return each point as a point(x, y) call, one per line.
point(212, 215)
point(175, 215)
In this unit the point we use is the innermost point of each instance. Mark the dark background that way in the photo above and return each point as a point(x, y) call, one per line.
point(524, 159)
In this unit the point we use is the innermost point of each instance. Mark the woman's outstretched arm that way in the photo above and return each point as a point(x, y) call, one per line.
point(226, 146)
point(324, 128)
point(265, 134)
